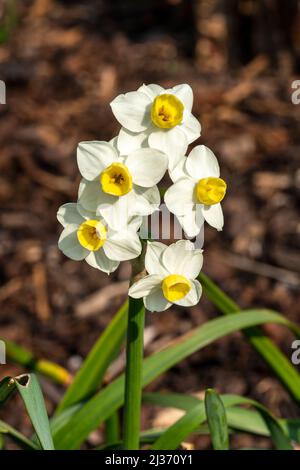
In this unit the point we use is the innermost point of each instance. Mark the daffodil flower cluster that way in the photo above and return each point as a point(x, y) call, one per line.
point(119, 188)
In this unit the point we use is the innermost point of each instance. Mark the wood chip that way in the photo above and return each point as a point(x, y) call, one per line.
point(101, 299)
point(39, 280)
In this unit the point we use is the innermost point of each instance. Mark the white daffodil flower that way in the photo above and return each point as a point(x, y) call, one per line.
point(159, 118)
point(86, 236)
point(118, 187)
point(197, 191)
point(171, 279)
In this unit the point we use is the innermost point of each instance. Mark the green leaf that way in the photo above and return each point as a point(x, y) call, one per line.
point(216, 420)
point(105, 402)
point(7, 387)
point(17, 437)
point(2, 442)
point(112, 429)
point(172, 400)
point(92, 371)
point(181, 429)
point(32, 396)
point(250, 421)
point(240, 419)
point(60, 420)
point(282, 367)
point(146, 437)
point(8, 20)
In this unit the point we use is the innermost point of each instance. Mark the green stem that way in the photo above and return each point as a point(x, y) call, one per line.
point(134, 361)
point(133, 375)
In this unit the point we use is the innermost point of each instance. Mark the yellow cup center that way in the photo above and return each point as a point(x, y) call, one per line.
point(166, 111)
point(116, 180)
point(210, 190)
point(175, 287)
point(92, 235)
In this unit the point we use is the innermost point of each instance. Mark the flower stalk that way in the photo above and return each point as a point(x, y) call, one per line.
point(134, 362)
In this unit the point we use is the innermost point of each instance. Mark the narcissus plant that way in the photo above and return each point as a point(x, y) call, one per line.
point(119, 189)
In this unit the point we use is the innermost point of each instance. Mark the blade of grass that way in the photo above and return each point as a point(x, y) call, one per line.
point(17, 437)
point(216, 420)
point(91, 373)
point(104, 403)
point(282, 367)
point(32, 396)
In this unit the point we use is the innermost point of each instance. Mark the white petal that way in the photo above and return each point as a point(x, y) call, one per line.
point(179, 170)
point(155, 301)
point(93, 157)
point(90, 195)
point(68, 243)
point(202, 163)
point(117, 213)
point(87, 215)
point(185, 94)
point(114, 143)
point(192, 222)
point(122, 245)
point(144, 286)
point(132, 110)
point(153, 258)
point(179, 198)
point(214, 215)
point(182, 258)
point(147, 166)
point(99, 260)
point(193, 297)
point(68, 214)
point(147, 200)
point(134, 223)
point(129, 141)
point(191, 127)
point(173, 142)
point(151, 90)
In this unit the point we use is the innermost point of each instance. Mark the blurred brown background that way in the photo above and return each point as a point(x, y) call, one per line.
point(63, 61)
